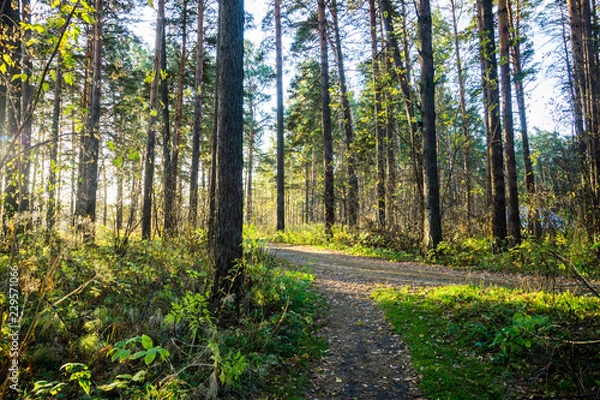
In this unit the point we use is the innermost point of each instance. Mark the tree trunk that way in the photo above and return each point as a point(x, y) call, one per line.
point(151, 138)
point(280, 137)
point(54, 141)
point(533, 219)
point(378, 116)
point(87, 187)
point(26, 110)
point(514, 220)
point(10, 28)
point(464, 122)
point(328, 197)
point(227, 249)
point(251, 139)
point(197, 128)
point(169, 174)
point(432, 232)
point(489, 72)
point(350, 156)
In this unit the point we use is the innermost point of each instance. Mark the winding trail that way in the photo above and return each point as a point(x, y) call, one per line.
point(366, 359)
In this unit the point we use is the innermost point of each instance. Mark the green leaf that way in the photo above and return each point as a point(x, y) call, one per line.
point(150, 356)
point(69, 78)
point(138, 354)
point(118, 161)
point(86, 385)
point(134, 155)
point(120, 355)
point(153, 112)
point(150, 4)
point(111, 145)
point(147, 342)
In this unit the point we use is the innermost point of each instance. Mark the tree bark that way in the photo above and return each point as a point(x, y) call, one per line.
point(26, 104)
point(489, 65)
point(378, 116)
point(533, 219)
point(227, 249)
point(280, 122)
point(197, 128)
point(514, 220)
point(169, 174)
point(10, 19)
point(151, 138)
point(347, 123)
point(87, 187)
point(464, 121)
point(328, 197)
point(432, 232)
point(52, 181)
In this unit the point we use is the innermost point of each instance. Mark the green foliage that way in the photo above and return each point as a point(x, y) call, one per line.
point(98, 305)
point(123, 350)
point(473, 343)
point(370, 243)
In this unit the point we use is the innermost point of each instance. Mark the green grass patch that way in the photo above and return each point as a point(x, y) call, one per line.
point(472, 343)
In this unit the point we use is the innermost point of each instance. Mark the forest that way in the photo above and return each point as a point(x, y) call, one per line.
point(192, 192)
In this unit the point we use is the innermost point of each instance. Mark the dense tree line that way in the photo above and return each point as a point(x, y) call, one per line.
point(399, 117)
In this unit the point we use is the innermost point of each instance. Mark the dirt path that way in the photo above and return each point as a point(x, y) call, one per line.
point(366, 360)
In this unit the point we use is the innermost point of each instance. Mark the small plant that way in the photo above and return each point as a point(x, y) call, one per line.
point(121, 353)
point(523, 333)
point(80, 373)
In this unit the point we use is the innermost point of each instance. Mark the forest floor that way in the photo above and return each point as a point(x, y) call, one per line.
point(366, 359)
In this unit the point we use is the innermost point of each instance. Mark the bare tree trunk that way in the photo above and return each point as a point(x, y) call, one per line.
point(390, 145)
point(533, 218)
point(280, 122)
point(514, 220)
point(347, 123)
point(230, 126)
point(169, 174)
point(251, 139)
point(328, 197)
point(492, 104)
point(197, 129)
point(464, 122)
point(54, 141)
point(151, 138)
point(172, 213)
point(378, 115)
point(432, 232)
point(87, 187)
point(26, 104)
point(10, 19)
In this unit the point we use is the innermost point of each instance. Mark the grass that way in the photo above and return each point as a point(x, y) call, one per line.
point(100, 323)
point(472, 343)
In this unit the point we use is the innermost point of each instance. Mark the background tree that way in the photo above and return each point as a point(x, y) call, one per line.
point(491, 102)
point(87, 186)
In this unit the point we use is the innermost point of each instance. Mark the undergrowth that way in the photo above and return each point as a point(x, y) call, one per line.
point(472, 343)
point(100, 323)
point(552, 256)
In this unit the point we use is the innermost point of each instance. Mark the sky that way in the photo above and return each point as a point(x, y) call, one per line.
point(540, 92)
